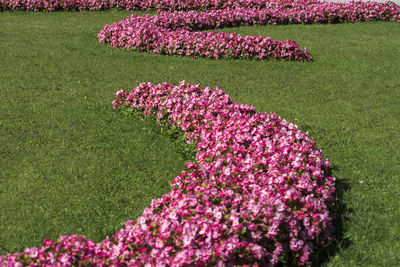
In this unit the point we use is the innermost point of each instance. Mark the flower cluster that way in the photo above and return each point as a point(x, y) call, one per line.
point(299, 12)
point(55, 5)
point(259, 192)
point(63, 252)
point(357, 10)
point(177, 32)
point(162, 34)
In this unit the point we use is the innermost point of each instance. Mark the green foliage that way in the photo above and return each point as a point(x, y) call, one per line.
point(176, 137)
point(71, 165)
point(179, 141)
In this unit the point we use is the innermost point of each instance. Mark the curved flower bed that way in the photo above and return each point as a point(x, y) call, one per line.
point(161, 34)
point(176, 33)
point(357, 10)
point(259, 192)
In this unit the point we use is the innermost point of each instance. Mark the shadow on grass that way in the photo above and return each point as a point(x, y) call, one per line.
point(340, 211)
point(340, 220)
point(3, 250)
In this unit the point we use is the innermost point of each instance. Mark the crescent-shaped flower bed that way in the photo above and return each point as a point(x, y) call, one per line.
point(258, 194)
point(162, 34)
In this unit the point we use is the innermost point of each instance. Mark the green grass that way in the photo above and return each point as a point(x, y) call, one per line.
point(70, 164)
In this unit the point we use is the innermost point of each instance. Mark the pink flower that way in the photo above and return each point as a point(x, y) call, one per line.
point(32, 252)
point(63, 258)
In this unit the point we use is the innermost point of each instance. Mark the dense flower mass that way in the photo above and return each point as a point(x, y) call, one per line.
point(258, 194)
point(167, 33)
point(354, 11)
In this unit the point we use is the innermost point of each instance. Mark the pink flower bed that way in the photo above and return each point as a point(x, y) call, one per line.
point(258, 194)
point(154, 35)
point(353, 10)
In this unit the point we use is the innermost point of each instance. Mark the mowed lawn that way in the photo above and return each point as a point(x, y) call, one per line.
point(70, 164)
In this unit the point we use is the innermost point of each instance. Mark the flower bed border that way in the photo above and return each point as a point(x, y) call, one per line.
point(259, 193)
point(178, 34)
